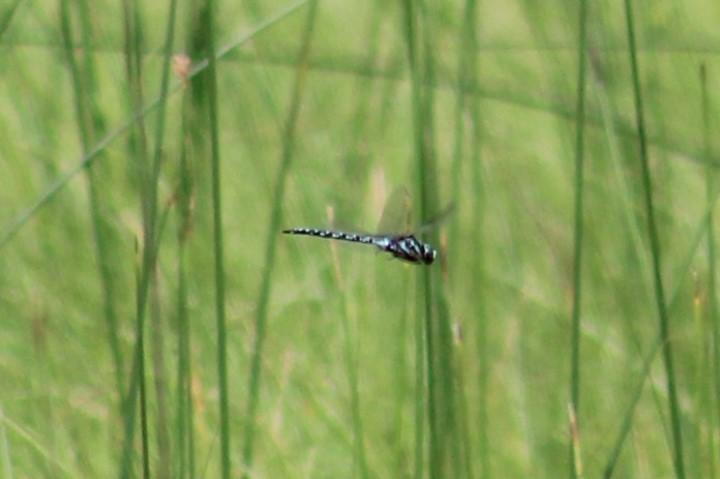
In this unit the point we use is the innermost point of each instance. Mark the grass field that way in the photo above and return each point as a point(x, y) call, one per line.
point(156, 323)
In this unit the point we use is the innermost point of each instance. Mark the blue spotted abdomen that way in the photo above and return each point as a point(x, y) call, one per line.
point(329, 234)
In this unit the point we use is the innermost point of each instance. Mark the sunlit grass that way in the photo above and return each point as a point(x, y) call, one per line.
point(156, 322)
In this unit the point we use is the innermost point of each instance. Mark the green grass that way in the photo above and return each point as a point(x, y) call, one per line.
point(710, 328)
point(275, 226)
point(574, 408)
point(156, 324)
point(663, 316)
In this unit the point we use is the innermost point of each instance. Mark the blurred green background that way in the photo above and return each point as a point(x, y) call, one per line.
point(341, 362)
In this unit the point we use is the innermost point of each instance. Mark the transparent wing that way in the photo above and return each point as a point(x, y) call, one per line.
point(436, 220)
point(396, 216)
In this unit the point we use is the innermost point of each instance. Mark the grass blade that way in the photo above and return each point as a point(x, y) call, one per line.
point(218, 246)
point(444, 439)
point(350, 350)
point(663, 317)
point(185, 193)
point(89, 122)
point(137, 149)
point(274, 228)
point(164, 460)
point(423, 347)
point(148, 177)
point(575, 459)
point(711, 193)
point(467, 105)
point(479, 207)
point(142, 286)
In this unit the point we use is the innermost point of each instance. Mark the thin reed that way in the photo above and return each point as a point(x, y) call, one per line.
point(711, 361)
point(663, 316)
point(575, 455)
point(288, 144)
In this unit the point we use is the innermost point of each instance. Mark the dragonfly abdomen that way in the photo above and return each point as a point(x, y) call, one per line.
point(329, 234)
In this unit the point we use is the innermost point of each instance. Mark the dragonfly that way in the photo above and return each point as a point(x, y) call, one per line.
point(403, 246)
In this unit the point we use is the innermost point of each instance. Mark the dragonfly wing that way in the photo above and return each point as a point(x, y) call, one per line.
point(435, 221)
point(396, 213)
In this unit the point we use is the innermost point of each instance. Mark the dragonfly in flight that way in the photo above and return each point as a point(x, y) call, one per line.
point(403, 246)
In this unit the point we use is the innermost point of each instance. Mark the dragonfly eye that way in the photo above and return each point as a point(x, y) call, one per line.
point(428, 254)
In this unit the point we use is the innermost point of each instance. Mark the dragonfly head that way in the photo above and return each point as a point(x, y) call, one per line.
point(428, 253)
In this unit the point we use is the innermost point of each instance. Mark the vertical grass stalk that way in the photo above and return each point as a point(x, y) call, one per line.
point(449, 444)
point(710, 191)
point(359, 459)
point(90, 124)
point(273, 230)
point(184, 420)
point(137, 149)
point(663, 317)
point(464, 82)
point(578, 242)
point(141, 290)
point(420, 389)
point(212, 104)
point(424, 327)
point(192, 188)
point(148, 173)
point(157, 345)
point(478, 183)
point(465, 104)
point(164, 459)
point(444, 440)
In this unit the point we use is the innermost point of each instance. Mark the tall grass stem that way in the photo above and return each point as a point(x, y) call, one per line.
point(711, 193)
point(288, 145)
point(578, 238)
point(663, 317)
point(90, 124)
point(218, 244)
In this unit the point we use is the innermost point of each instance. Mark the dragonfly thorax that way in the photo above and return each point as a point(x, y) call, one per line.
point(409, 248)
